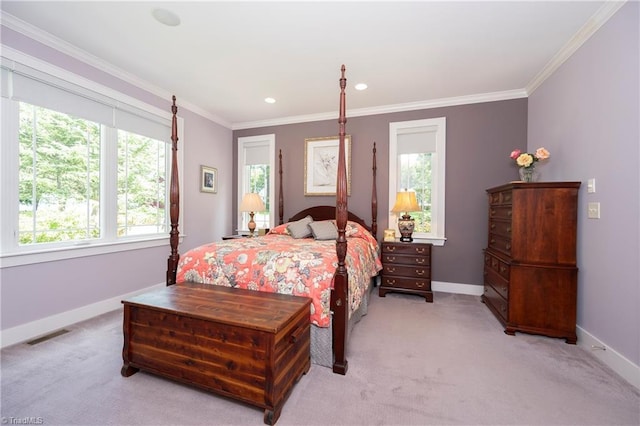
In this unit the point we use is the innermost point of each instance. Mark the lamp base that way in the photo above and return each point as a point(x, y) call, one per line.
point(406, 226)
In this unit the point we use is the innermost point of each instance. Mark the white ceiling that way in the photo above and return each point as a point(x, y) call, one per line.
point(226, 57)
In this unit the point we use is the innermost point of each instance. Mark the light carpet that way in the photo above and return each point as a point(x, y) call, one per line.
point(410, 363)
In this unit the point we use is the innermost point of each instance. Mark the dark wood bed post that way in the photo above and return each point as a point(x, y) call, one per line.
point(280, 196)
point(374, 198)
point(174, 200)
point(340, 299)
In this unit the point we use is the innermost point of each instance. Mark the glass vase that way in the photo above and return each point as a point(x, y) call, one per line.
point(528, 174)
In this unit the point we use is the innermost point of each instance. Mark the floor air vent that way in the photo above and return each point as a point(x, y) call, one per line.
point(48, 337)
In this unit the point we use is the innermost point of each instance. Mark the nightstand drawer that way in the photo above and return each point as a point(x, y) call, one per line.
point(410, 249)
point(406, 283)
point(406, 271)
point(405, 260)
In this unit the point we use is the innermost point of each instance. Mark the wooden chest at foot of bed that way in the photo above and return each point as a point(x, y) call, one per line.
point(247, 345)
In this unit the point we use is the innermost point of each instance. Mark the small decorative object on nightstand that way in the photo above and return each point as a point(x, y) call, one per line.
point(406, 268)
point(406, 202)
point(251, 203)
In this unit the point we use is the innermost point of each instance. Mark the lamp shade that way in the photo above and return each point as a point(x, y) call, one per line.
point(251, 202)
point(406, 202)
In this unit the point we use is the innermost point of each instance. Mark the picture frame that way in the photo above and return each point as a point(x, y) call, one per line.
point(321, 165)
point(208, 179)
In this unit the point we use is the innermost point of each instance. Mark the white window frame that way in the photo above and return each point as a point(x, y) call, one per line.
point(252, 141)
point(13, 255)
point(438, 161)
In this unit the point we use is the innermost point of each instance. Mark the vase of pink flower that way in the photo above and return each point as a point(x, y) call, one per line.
point(527, 163)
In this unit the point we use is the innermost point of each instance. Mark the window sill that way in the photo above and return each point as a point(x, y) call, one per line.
point(434, 241)
point(8, 260)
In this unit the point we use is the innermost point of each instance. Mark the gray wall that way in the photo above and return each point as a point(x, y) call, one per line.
point(587, 115)
point(480, 138)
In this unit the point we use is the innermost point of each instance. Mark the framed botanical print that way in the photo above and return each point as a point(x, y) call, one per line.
point(208, 179)
point(321, 165)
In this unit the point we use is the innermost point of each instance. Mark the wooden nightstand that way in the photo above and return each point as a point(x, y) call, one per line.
point(406, 268)
point(234, 237)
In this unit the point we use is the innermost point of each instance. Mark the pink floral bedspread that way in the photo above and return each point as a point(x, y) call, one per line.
point(279, 263)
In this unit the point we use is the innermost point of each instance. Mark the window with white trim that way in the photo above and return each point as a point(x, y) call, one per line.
point(256, 173)
point(417, 152)
point(83, 165)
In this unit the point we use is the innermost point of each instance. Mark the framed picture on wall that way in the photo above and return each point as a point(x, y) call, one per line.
point(321, 165)
point(208, 179)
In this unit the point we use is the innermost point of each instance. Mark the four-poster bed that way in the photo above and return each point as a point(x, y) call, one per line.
point(345, 297)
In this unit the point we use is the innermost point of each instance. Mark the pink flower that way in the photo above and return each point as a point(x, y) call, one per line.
point(542, 154)
point(515, 154)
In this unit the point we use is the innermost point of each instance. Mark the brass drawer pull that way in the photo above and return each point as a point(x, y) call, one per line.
point(420, 272)
point(391, 248)
point(391, 282)
point(419, 284)
point(420, 261)
point(391, 258)
point(391, 270)
point(420, 250)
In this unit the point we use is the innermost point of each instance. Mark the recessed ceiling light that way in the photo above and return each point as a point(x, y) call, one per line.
point(166, 17)
point(270, 100)
point(361, 86)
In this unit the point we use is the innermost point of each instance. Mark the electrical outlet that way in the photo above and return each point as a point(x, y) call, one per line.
point(591, 185)
point(593, 210)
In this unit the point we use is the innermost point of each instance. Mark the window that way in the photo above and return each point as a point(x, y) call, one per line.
point(86, 166)
point(256, 166)
point(417, 163)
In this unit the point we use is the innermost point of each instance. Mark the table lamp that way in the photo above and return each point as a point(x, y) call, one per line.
point(251, 203)
point(406, 202)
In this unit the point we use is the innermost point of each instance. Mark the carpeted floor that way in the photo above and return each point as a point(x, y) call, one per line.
point(410, 363)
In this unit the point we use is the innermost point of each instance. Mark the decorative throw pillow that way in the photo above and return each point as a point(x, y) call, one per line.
point(280, 229)
point(324, 230)
point(300, 228)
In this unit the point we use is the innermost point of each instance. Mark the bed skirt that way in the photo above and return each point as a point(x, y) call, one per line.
point(321, 342)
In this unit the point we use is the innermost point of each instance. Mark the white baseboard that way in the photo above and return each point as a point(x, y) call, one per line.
point(614, 360)
point(471, 289)
point(35, 329)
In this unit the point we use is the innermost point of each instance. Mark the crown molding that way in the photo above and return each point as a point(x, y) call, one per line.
point(74, 52)
point(388, 109)
point(594, 23)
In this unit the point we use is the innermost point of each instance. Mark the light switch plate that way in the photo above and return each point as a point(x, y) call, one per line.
point(593, 210)
point(591, 185)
